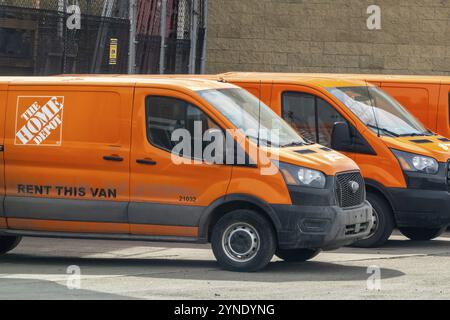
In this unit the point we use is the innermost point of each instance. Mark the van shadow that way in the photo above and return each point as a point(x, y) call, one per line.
point(204, 270)
point(404, 247)
point(23, 289)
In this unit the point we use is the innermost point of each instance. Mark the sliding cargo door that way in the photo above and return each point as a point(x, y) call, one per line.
point(67, 159)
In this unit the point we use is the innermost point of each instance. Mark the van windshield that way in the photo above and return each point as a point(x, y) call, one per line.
point(249, 115)
point(379, 112)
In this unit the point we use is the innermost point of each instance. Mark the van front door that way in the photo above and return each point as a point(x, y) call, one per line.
point(168, 198)
point(309, 113)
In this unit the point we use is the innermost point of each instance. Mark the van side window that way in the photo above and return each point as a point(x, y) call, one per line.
point(165, 115)
point(327, 117)
point(299, 110)
point(311, 116)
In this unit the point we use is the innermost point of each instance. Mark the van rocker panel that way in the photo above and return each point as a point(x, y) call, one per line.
point(66, 209)
point(102, 211)
point(162, 214)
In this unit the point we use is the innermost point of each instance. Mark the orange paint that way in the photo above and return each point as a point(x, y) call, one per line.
point(384, 167)
point(153, 230)
point(3, 224)
point(86, 138)
point(426, 97)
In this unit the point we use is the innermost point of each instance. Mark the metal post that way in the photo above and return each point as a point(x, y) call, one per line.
point(61, 13)
point(62, 33)
point(205, 26)
point(102, 34)
point(163, 33)
point(194, 30)
point(132, 46)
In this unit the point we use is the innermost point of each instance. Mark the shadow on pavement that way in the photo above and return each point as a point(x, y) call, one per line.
point(402, 247)
point(187, 269)
point(31, 289)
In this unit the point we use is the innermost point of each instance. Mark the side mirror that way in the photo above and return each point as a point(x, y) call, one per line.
point(341, 139)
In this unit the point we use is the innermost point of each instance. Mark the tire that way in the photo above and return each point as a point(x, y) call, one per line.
point(384, 223)
point(422, 234)
point(8, 244)
point(243, 241)
point(297, 255)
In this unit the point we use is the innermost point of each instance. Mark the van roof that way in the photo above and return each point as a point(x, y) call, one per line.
point(434, 79)
point(194, 84)
point(327, 81)
point(399, 78)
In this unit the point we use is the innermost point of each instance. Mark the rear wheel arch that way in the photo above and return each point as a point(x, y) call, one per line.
point(8, 243)
point(231, 203)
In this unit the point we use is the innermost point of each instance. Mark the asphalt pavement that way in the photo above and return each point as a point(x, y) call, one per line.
point(85, 269)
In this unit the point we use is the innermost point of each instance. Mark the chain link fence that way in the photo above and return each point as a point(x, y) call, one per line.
point(88, 7)
point(178, 36)
point(35, 38)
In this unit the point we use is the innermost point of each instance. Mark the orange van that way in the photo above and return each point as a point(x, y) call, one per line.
point(405, 166)
point(426, 97)
point(100, 158)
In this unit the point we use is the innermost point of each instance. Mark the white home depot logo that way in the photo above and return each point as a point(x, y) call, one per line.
point(39, 121)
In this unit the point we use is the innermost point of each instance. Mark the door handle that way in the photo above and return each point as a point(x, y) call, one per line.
point(148, 162)
point(113, 158)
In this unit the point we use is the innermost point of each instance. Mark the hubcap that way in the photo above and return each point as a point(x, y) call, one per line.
point(375, 223)
point(241, 242)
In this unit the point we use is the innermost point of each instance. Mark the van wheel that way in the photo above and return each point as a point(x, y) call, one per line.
point(297, 255)
point(383, 223)
point(422, 234)
point(8, 243)
point(243, 241)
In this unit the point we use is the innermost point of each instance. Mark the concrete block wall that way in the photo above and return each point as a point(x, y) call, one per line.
point(328, 36)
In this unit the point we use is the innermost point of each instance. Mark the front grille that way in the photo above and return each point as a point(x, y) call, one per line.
point(355, 229)
point(350, 189)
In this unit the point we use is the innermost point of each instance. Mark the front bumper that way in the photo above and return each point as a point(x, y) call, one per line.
point(421, 208)
point(322, 227)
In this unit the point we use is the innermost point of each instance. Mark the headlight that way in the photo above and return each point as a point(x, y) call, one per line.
point(416, 163)
point(303, 177)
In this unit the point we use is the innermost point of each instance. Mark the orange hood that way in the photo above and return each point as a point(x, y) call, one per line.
point(319, 158)
point(436, 147)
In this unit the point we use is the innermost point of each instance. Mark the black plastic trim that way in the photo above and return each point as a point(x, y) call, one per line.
point(99, 236)
point(313, 196)
point(66, 209)
point(423, 181)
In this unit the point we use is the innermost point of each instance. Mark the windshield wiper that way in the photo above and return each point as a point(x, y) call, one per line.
point(413, 135)
point(293, 144)
point(384, 130)
point(267, 142)
point(427, 133)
